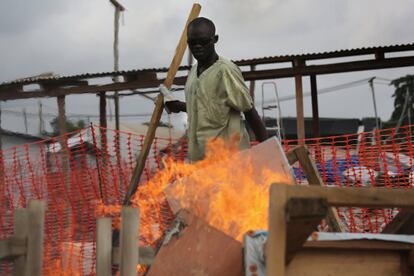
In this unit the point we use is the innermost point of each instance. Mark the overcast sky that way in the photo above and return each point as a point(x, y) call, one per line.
point(71, 37)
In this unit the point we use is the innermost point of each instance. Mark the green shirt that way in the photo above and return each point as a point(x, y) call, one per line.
point(214, 103)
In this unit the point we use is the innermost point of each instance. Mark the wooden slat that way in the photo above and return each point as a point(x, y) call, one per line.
point(36, 221)
point(129, 241)
point(104, 247)
point(303, 217)
point(360, 244)
point(356, 197)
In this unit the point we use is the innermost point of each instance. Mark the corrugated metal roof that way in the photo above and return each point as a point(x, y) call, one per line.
point(48, 77)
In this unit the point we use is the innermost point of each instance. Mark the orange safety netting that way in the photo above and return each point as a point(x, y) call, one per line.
point(85, 174)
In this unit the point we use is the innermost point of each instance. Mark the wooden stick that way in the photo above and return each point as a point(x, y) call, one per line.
point(104, 247)
point(36, 221)
point(129, 241)
point(159, 104)
point(21, 229)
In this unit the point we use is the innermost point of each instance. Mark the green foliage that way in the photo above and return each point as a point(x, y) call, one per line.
point(70, 126)
point(402, 85)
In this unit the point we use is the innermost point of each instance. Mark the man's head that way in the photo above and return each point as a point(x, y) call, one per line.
point(202, 36)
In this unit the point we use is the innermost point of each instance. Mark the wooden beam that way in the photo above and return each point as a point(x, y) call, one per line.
point(315, 108)
point(129, 241)
point(300, 118)
point(340, 67)
point(36, 222)
point(12, 92)
point(61, 115)
point(303, 216)
point(357, 197)
point(104, 247)
point(326, 55)
point(276, 241)
point(21, 229)
point(403, 223)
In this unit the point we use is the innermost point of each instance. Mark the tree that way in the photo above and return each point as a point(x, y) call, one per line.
point(70, 126)
point(404, 100)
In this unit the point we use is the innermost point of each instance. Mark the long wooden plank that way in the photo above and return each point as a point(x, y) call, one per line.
point(314, 178)
point(356, 197)
point(13, 93)
point(159, 104)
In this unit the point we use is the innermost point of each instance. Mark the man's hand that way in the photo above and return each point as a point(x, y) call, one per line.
point(256, 124)
point(170, 102)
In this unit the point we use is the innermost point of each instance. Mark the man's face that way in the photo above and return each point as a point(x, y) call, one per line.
point(201, 40)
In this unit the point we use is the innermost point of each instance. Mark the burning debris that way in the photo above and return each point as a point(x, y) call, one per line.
point(228, 191)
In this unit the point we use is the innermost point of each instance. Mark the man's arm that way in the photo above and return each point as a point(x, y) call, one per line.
point(256, 124)
point(176, 106)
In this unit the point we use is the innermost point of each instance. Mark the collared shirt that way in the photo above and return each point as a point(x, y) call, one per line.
point(214, 101)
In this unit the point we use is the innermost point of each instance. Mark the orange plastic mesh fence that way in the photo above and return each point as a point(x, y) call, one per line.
point(85, 174)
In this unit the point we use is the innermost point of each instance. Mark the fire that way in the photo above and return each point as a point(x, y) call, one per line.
point(227, 189)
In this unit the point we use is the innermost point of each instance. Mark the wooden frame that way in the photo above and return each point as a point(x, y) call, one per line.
point(281, 247)
point(25, 248)
point(129, 254)
point(301, 154)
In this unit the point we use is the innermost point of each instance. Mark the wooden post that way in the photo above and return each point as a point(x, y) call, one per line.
point(102, 110)
point(315, 109)
point(300, 119)
point(276, 242)
point(21, 230)
point(104, 247)
point(61, 115)
point(36, 220)
point(129, 241)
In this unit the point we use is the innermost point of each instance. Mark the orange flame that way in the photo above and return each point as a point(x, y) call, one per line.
point(226, 189)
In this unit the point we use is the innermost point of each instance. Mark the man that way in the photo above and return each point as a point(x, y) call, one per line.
point(215, 93)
